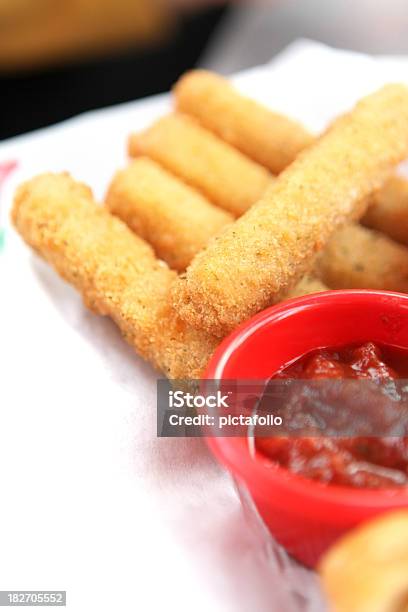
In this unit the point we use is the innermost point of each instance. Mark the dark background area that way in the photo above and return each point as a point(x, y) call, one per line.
point(37, 99)
point(225, 40)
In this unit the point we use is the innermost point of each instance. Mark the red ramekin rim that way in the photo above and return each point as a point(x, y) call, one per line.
point(232, 451)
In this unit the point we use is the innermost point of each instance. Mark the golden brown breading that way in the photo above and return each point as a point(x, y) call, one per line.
point(309, 284)
point(274, 141)
point(367, 569)
point(269, 138)
point(116, 272)
point(273, 245)
point(388, 211)
point(359, 258)
point(175, 219)
point(225, 176)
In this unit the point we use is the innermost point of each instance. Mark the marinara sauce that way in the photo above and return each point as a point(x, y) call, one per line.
point(362, 462)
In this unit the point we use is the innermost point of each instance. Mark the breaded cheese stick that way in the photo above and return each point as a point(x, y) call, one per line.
point(267, 137)
point(359, 258)
point(116, 272)
point(273, 245)
point(366, 570)
point(225, 176)
point(388, 210)
point(178, 223)
point(175, 219)
point(273, 140)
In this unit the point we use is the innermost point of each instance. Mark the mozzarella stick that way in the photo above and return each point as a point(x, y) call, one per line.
point(116, 272)
point(225, 176)
point(359, 258)
point(175, 219)
point(273, 245)
point(172, 217)
point(178, 223)
point(267, 137)
point(388, 210)
point(366, 570)
point(273, 140)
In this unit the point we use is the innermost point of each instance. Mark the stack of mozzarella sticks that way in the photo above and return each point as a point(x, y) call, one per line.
point(225, 209)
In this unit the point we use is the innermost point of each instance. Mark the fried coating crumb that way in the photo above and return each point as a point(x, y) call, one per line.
point(360, 258)
point(225, 176)
point(268, 138)
point(274, 141)
point(309, 284)
point(273, 245)
point(116, 272)
point(172, 217)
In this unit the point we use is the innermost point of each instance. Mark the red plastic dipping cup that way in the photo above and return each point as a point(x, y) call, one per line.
point(306, 516)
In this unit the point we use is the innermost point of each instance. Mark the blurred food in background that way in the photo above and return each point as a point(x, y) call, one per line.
point(39, 32)
point(58, 59)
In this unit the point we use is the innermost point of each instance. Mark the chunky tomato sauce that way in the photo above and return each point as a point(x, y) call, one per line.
point(363, 462)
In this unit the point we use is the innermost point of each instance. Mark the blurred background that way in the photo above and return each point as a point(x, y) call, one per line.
point(62, 57)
